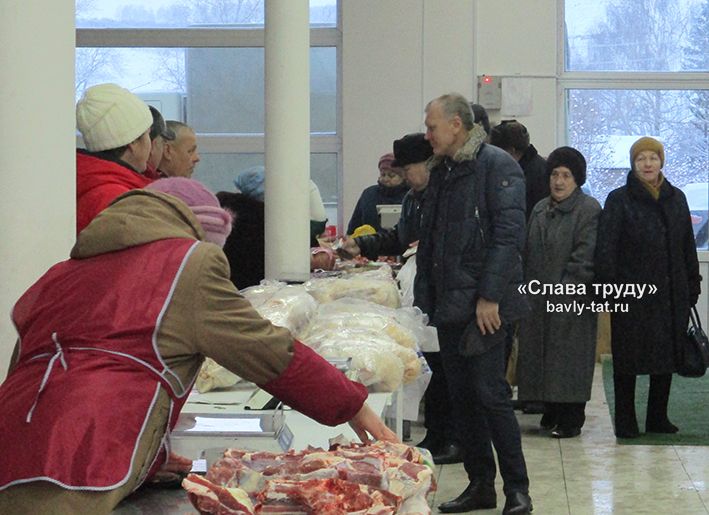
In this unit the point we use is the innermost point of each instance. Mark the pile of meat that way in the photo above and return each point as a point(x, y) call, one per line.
point(378, 479)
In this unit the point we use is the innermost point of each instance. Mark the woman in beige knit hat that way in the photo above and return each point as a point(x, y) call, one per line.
point(645, 238)
point(115, 126)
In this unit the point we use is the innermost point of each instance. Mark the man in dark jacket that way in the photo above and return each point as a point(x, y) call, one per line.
point(513, 137)
point(411, 153)
point(469, 269)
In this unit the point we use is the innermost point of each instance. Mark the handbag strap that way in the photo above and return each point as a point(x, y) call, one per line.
point(694, 317)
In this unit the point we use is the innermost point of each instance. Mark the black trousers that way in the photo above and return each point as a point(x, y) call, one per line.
point(437, 412)
point(479, 392)
point(657, 399)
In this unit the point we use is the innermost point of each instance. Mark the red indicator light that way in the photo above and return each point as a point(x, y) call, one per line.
point(487, 79)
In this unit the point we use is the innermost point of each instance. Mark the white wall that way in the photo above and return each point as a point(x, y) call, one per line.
point(518, 38)
point(396, 56)
point(399, 54)
point(36, 148)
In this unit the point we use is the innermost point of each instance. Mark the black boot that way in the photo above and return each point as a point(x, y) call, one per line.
point(477, 496)
point(433, 441)
point(626, 422)
point(448, 453)
point(518, 503)
point(658, 397)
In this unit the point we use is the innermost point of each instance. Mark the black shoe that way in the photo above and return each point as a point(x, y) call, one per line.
point(432, 441)
point(565, 432)
point(449, 453)
point(626, 427)
point(627, 433)
point(666, 427)
point(518, 503)
point(478, 496)
point(548, 421)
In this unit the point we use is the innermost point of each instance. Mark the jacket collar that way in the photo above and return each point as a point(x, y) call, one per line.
point(569, 203)
point(476, 137)
point(637, 190)
point(107, 157)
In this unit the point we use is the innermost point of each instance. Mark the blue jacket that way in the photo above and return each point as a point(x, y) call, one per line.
point(365, 212)
point(392, 242)
point(472, 235)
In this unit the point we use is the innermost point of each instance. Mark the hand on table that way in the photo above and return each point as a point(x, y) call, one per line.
point(366, 423)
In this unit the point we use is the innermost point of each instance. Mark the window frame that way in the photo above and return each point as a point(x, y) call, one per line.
point(245, 36)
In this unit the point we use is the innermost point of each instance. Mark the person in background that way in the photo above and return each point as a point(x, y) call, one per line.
point(469, 269)
point(252, 182)
point(159, 134)
point(645, 237)
point(480, 116)
point(410, 154)
point(245, 246)
point(390, 189)
point(557, 351)
point(180, 155)
point(512, 137)
point(110, 343)
point(115, 126)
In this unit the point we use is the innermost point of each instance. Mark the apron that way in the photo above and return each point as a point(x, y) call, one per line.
point(89, 370)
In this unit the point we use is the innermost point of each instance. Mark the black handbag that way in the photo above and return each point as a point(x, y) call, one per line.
point(695, 351)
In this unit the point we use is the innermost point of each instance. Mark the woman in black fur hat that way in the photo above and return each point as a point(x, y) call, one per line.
point(557, 348)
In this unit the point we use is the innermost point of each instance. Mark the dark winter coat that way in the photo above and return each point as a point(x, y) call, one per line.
point(646, 241)
point(472, 236)
point(536, 177)
point(245, 246)
point(557, 351)
point(393, 242)
point(365, 212)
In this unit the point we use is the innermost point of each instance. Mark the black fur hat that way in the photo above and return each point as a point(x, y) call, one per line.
point(412, 148)
point(571, 159)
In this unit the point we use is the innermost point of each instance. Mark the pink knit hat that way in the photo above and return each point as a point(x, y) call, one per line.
point(215, 221)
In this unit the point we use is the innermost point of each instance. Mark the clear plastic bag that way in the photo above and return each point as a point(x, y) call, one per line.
point(212, 376)
point(376, 286)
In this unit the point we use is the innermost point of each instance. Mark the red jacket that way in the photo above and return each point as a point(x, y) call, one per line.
point(98, 183)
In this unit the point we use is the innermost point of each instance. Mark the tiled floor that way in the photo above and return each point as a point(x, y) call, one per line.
point(592, 475)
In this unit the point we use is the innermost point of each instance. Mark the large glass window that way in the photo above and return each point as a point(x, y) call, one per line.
point(222, 88)
point(202, 62)
point(637, 35)
point(186, 13)
point(637, 68)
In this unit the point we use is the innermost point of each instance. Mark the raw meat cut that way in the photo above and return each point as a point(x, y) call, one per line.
point(214, 499)
point(378, 479)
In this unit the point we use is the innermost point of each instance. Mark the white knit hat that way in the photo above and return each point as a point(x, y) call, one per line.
point(109, 116)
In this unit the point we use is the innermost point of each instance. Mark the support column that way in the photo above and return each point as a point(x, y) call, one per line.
point(37, 161)
point(287, 160)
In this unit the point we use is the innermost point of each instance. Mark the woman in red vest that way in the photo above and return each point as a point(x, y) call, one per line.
point(110, 343)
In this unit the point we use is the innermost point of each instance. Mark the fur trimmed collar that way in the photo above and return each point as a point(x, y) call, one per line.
point(476, 137)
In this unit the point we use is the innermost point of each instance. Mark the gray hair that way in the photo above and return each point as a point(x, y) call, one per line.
point(175, 126)
point(455, 104)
